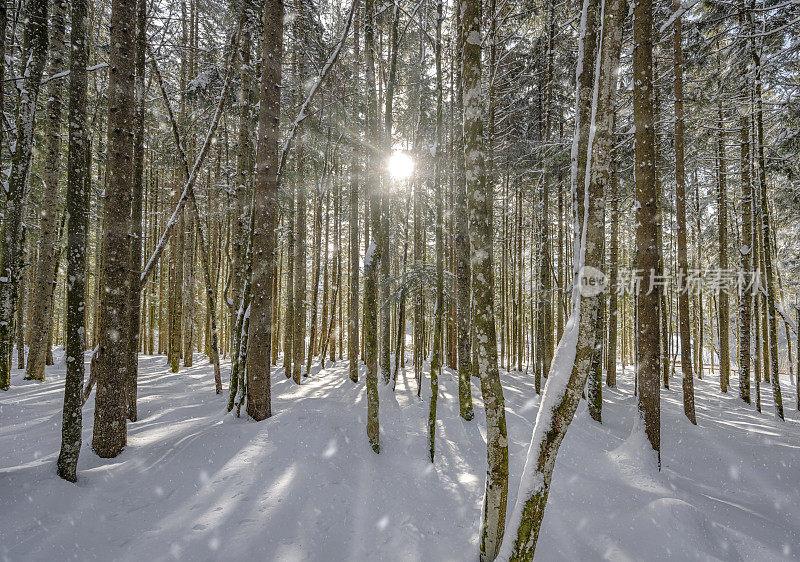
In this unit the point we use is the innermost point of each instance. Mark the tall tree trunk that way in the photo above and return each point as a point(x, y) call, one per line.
point(288, 330)
point(462, 244)
point(299, 307)
point(722, 219)
point(765, 242)
point(77, 209)
point(373, 253)
point(352, 301)
point(34, 53)
point(46, 268)
point(265, 203)
point(110, 431)
point(481, 203)
point(136, 212)
point(436, 356)
point(648, 326)
point(243, 172)
point(614, 259)
point(684, 321)
point(315, 283)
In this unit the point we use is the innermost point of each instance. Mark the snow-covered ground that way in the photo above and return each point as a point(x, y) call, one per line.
point(196, 483)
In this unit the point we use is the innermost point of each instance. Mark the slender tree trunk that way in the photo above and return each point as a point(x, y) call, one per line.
point(77, 209)
point(722, 218)
point(684, 321)
point(352, 301)
point(34, 53)
point(481, 203)
point(46, 268)
point(136, 213)
point(648, 325)
point(374, 251)
point(436, 356)
point(613, 262)
point(288, 335)
point(746, 246)
point(462, 244)
point(299, 307)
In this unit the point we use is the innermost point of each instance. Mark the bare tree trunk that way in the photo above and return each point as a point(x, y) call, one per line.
point(613, 262)
point(265, 203)
point(77, 208)
point(765, 242)
point(41, 319)
point(647, 251)
point(34, 53)
point(373, 253)
point(684, 321)
point(481, 203)
point(136, 213)
point(436, 356)
point(110, 431)
point(722, 218)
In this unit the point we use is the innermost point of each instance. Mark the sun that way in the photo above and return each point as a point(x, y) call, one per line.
point(400, 165)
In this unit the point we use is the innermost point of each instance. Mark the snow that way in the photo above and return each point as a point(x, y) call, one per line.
point(196, 483)
point(370, 254)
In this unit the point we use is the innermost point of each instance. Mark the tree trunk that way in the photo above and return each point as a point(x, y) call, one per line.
point(684, 321)
point(110, 432)
point(648, 354)
point(722, 219)
point(481, 203)
point(77, 209)
point(136, 212)
point(46, 268)
point(265, 203)
point(34, 53)
point(436, 356)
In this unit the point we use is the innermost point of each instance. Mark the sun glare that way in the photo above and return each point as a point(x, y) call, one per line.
point(400, 165)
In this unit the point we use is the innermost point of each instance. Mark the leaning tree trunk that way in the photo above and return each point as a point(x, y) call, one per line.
point(41, 319)
point(77, 208)
point(110, 432)
point(573, 360)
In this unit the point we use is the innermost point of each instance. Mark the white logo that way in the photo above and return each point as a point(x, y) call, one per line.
point(591, 281)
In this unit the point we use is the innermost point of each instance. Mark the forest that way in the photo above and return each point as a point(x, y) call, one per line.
point(400, 279)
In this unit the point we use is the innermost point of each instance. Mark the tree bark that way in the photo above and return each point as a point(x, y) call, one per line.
point(34, 53)
point(110, 431)
point(481, 203)
point(684, 321)
point(77, 209)
point(373, 253)
point(46, 266)
point(648, 354)
point(265, 203)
